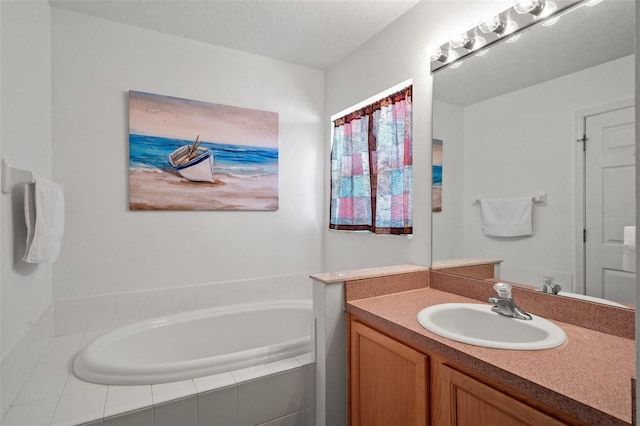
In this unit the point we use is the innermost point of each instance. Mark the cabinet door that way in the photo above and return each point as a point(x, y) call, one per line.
point(388, 380)
point(463, 400)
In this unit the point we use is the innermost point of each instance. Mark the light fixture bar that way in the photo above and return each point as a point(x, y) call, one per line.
point(505, 25)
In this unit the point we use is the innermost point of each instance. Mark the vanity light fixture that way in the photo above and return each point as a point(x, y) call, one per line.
point(461, 40)
point(492, 24)
point(452, 56)
point(513, 39)
point(436, 54)
point(464, 41)
point(495, 25)
point(444, 56)
point(507, 25)
point(549, 9)
point(534, 7)
point(511, 27)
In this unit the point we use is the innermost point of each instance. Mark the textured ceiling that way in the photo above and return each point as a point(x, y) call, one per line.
point(314, 33)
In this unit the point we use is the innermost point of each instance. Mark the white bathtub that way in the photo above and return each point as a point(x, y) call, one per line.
point(197, 343)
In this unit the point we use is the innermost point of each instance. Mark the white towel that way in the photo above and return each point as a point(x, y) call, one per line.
point(507, 217)
point(629, 249)
point(44, 214)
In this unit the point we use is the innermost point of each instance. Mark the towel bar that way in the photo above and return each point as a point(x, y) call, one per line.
point(540, 199)
point(13, 176)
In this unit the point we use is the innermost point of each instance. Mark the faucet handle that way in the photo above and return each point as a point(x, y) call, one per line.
point(503, 290)
point(549, 285)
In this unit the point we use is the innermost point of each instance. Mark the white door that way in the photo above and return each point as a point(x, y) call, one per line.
point(609, 202)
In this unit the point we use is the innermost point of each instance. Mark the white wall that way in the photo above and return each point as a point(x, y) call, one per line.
point(541, 138)
point(25, 133)
point(108, 249)
point(394, 55)
point(637, 96)
point(447, 227)
point(26, 143)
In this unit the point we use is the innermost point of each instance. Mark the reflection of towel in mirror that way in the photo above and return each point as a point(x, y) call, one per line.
point(629, 249)
point(507, 217)
point(44, 214)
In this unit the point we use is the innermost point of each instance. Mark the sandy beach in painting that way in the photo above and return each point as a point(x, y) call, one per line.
point(436, 198)
point(156, 190)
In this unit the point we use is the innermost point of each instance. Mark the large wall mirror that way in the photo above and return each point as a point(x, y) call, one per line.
point(509, 122)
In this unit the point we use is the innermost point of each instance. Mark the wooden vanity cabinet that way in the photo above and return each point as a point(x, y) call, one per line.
point(459, 399)
point(387, 380)
point(393, 384)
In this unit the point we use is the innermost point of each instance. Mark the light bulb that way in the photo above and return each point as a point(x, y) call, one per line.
point(549, 9)
point(452, 55)
point(509, 27)
point(492, 24)
point(461, 40)
point(436, 54)
point(479, 42)
point(534, 7)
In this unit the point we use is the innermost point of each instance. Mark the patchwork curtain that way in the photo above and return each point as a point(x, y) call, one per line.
point(371, 168)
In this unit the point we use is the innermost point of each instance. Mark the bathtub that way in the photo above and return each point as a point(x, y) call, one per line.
point(197, 343)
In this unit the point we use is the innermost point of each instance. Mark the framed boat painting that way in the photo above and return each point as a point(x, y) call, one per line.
point(192, 155)
point(436, 185)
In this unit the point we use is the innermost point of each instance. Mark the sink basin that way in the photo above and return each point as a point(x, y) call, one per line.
point(476, 324)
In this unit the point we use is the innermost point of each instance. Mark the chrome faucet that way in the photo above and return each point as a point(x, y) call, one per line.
point(504, 304)
point(549, 286)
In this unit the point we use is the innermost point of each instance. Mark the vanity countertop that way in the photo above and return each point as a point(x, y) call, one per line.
point(458, 263)
point(588, 378)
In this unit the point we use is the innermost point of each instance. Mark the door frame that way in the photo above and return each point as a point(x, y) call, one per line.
point(580, 187)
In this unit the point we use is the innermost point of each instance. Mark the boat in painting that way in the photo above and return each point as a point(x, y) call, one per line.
point(193, 163)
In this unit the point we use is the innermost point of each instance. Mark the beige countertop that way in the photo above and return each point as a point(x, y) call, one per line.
point(457, 263)
point(588, 378)
point(359, 274)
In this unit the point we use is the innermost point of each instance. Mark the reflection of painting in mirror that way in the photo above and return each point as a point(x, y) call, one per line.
point(436, 191)
point(512, 138)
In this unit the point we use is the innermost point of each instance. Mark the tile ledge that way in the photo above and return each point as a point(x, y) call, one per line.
point(359, 274)
point(456, 263)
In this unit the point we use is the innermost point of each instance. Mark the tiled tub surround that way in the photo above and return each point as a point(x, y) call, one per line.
point(277, 393)
point(30, 361)
point(115, 310)
point(588, 378)
point(23, 357)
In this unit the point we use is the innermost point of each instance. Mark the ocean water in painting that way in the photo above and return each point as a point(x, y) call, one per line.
point(437, 175)
point(152, 153)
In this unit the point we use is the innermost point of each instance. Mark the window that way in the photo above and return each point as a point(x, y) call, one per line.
point(371, 168)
